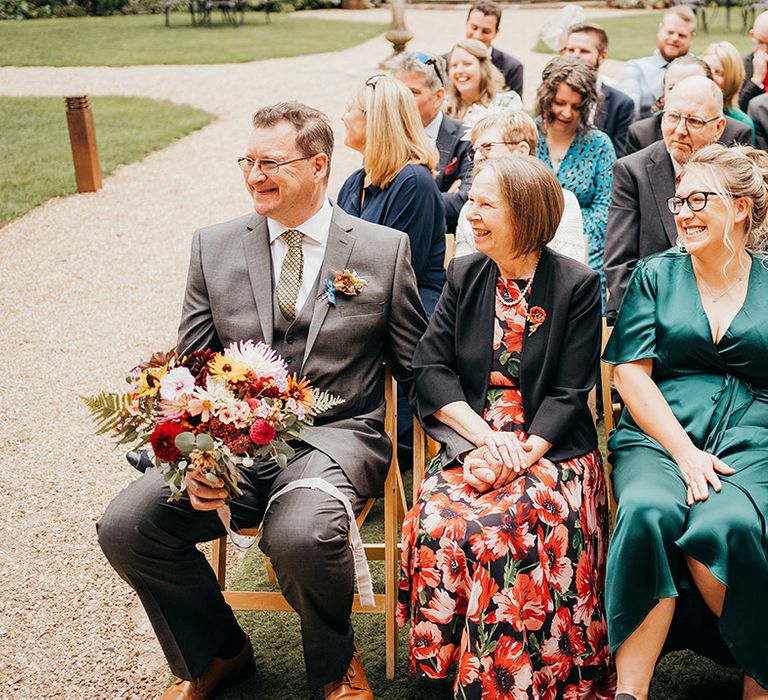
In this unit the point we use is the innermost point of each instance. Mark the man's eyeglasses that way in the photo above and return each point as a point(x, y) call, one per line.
point(268, 167)
point(486, 147)
point(696, 201)
point(427, 60)
point(692, 123)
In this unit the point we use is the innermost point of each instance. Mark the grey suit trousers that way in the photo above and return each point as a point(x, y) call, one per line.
point(151, 544)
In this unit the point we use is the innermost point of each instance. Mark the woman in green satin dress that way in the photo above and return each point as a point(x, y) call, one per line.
point(690, 453)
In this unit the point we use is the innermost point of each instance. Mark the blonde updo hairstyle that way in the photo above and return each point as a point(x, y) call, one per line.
point(394, 134)
point(491, 78)
point(734, 173)
point(532, 196)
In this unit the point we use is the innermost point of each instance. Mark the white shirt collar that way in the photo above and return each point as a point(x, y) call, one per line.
point(433, 128)
point(316, 227)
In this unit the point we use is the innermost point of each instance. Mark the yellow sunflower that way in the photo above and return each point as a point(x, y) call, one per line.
point(231, 371)
point(148, 383)
point(300, 390)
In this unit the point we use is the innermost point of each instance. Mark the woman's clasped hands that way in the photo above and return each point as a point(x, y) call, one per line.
point(499, 458)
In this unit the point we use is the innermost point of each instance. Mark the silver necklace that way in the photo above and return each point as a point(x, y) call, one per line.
point(515, 302)
point(717, 298)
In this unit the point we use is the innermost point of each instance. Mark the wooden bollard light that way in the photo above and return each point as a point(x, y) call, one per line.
point(82, 136)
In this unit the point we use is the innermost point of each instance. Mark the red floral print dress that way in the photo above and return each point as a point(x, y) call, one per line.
point(508, 585)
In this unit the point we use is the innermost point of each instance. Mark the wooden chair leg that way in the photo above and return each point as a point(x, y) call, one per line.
point(219, 561)
point(391, 520)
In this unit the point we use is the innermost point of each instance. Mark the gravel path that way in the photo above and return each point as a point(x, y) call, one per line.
point(91, 284)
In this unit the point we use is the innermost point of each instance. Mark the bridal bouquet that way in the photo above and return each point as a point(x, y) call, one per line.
point(211, 412)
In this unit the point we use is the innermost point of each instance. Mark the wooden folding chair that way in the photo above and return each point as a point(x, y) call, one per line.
point(394, 511)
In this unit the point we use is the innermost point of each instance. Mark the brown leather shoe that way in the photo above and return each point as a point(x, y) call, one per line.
point(353, 685)
point(222, 673)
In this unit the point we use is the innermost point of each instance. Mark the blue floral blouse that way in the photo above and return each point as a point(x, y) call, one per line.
point(587, 171)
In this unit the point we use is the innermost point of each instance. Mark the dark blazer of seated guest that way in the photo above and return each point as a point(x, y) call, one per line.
point(749, 89)
point(455, 164)
point(617, 112)
point(558, 363)
point(510, 68)
point(647, 131)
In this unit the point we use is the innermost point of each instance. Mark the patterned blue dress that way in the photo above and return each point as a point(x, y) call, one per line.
point(587, 171)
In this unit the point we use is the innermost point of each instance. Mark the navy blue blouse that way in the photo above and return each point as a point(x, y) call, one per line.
point(410, 203)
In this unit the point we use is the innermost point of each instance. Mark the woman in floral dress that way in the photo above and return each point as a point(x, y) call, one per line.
point(504, 551)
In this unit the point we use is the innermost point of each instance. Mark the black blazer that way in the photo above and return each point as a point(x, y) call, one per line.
point(639, 221)
point(647, 131)
point(617, 112)
point(748, 88)
point(558, 363)
point(510, 68)
point(455, 164)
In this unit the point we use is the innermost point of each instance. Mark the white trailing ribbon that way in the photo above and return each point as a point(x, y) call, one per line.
point(362, 572)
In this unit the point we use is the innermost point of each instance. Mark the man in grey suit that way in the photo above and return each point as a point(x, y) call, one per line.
point(639, 221)
point(262, 277)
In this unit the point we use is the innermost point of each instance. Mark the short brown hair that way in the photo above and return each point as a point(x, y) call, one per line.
point(577, 75)
point(314, 133)
point(487, 7)
point(533, 196)
point(682, 12)
point(594, 30)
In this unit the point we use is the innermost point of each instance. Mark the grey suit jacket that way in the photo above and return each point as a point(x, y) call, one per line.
point(758, 111)
point(229, 298)
point(639, 221)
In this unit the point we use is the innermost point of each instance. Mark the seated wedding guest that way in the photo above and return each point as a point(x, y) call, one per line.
point(503, 552)
point(483, 21)
point(472, 78)
point(647, 131)
point(580, 155)
point(395, 186)
point(691, 448)
point(758, 113)
point(258, 278)
point(506, 133)
point(642, 78)
point(724, 60)
point(425, 76)
point(616, 110)
point(756, 63)
point(639, 222)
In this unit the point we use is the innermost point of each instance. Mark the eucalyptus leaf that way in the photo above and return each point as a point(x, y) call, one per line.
point(204, 442)
point(185, 442)
point(281, 459)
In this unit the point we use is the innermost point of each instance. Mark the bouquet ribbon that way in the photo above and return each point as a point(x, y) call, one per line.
point(362, 572)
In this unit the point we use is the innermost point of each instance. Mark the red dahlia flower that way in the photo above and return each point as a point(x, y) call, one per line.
point(162, 440)
point(262, 431)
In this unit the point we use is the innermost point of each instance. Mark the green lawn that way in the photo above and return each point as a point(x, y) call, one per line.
point(35, 155)
point(142, 40)
point(633, 36)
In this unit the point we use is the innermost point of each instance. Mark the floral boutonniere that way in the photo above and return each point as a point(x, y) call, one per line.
point(536, 316)
point(347, 282)
point(450, 166)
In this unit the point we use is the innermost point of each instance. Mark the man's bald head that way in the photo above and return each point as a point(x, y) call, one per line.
point(759, 32)
point(693, 117)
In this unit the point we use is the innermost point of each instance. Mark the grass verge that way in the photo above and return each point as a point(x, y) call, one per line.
point(634, 35)
point(35, 155)
point(143, 40)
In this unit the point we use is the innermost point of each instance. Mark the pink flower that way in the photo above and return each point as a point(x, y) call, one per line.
point(261, 432)
point(177, 383)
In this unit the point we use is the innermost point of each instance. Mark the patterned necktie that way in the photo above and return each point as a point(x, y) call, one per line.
point(290, 274)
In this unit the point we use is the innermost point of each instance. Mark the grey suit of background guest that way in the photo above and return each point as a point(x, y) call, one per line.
point(639, 222)
point(230, 297)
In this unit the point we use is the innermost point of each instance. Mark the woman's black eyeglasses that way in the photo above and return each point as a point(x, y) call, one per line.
point(696, 201)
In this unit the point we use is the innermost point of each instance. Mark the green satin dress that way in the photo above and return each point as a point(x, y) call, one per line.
point(719, 393)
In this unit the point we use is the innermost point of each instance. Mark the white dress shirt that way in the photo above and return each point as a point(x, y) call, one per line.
point(315, 230)
point(643, 80)
point(569, 238)
point(433, 128)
